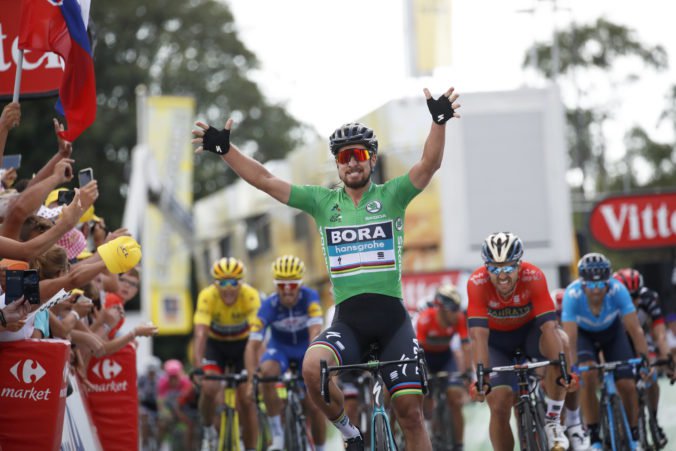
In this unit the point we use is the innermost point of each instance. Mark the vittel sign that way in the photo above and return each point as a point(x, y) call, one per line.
point(635, 221)
point(42, 72)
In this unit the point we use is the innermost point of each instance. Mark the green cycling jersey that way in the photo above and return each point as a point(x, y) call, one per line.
point(362, 244)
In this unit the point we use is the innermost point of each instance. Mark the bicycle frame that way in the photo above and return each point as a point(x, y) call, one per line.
point(608, 391)
point(525, 405)
point(229, 436)
point(378, 413)
point(294, 415)
point(443, 434)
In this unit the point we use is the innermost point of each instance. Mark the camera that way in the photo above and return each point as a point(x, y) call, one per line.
point(65, 197)
point(22, 283)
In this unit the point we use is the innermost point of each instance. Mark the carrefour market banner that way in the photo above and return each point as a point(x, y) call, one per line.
point(33, 388)
point(42, 72)
point(635, 221)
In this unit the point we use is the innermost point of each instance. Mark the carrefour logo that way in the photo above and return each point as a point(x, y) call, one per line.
point(28, 371)
point(107, 369)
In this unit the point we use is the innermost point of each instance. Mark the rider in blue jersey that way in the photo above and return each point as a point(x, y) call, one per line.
point(597, 310)
point(294, 317)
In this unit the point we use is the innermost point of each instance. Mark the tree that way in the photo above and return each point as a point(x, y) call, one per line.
point(589, 52)
point(174, 47)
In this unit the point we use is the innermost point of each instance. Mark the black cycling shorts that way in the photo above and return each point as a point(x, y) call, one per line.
point(222, 354)
point(367, 319)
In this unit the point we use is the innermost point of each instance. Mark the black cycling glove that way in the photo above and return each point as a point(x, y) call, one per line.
point(216, 141)
point(440, 109)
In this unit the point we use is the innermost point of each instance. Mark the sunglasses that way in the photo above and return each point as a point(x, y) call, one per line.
point(228, 282)
point(600, 284)
point(288, 285)
point(496, 270)
point(345, 155)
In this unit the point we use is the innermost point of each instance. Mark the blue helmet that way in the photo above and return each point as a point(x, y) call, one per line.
point(594, 267)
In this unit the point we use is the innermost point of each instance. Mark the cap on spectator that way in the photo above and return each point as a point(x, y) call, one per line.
point(53, 196)
point(20, 265)
point(73, 242)
point(121, 254)
point(173, 367)
point(85, 254)
point(87, 215)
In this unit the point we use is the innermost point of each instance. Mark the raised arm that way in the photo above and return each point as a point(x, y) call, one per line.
point(10, 118)
point(70, 216)
point(32, 197)
point(252, 171)
point(442, 110)
point(64, 151)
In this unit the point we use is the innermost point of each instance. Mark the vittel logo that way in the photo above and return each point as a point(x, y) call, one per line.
point(27, 371)
point(631, 222)
point(107, 369)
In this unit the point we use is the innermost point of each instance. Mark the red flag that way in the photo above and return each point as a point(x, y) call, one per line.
point(57, 26)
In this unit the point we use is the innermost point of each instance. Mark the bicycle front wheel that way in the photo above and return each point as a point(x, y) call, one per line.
point(442, 427)
point(382, 434)
point(621, 425)
point(527, 439)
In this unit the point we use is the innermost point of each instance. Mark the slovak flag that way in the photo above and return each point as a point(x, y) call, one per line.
point(58, 26)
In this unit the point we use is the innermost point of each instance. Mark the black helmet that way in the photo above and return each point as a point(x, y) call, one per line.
point(594, 267)
point(353, 133)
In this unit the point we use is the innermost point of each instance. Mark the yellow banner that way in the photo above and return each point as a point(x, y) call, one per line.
point(166, 255)
point(430, 40)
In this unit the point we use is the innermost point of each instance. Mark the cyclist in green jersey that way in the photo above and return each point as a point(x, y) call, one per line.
point(361, 225)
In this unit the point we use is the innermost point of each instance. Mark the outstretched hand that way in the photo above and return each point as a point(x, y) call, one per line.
point(65, 147)
point(442, 109)
point(211, 139)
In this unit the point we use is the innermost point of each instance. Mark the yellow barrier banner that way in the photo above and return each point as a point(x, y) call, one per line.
point(166, 253)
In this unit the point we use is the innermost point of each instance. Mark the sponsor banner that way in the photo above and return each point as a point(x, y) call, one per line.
point(113, 399)
point(166, 262)
point(42, 72)
point(33, 386)
point(79, 433)
point(418, 288)
point(635, 221)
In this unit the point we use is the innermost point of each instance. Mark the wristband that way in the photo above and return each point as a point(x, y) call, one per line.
point(3, 321)
point(440, 109)
point(76, 314)
point(216, 141)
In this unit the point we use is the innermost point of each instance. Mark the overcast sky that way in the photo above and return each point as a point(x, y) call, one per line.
point(332, 62)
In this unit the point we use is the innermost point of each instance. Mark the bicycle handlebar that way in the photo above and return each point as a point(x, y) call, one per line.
point(236, 379)
point(520, 367)
point(373, 366)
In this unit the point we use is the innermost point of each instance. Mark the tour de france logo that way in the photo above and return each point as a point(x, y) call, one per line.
point(374, 206)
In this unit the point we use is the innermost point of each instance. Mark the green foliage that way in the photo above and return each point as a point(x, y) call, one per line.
point(174, 47)
point(584, 51)
point(596, 46)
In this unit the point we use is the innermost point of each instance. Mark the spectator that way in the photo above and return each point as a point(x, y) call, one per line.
point(172, 386)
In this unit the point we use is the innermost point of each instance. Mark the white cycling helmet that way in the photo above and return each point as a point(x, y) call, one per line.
point(502, 247)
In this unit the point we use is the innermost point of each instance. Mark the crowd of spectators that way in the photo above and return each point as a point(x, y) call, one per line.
point(90, 269)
